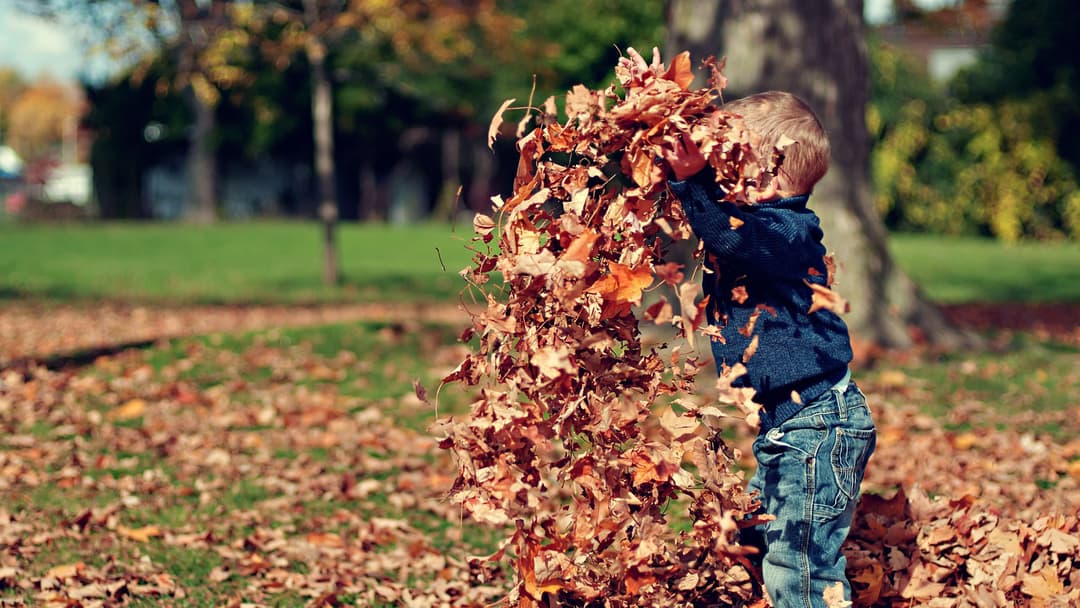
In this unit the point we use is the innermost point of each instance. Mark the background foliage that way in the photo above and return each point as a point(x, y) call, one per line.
point(990, 152)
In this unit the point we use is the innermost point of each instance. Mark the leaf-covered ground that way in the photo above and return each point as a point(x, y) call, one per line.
point(292, 467)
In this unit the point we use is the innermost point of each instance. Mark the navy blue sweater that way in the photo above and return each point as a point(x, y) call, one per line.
point(765, 262)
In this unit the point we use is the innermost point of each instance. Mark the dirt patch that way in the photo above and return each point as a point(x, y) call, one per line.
point(32, 330)
point(1059, 322)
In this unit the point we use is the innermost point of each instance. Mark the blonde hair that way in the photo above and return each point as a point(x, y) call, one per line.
point(775, 114)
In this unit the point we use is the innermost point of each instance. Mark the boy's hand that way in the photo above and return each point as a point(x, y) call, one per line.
point(684, 157)
point(638, 67)
point(634, 72)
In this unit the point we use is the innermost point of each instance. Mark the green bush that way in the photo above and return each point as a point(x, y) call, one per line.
point(947, 167)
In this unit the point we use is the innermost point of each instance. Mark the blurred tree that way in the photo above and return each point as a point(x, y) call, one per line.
point(194, 33)
point(564, 49)
point(950, 167)
point(11, 85)
point(816, 50)
point(135, 126)
point(420, 48)
point(1034, 56)
point(39, 118)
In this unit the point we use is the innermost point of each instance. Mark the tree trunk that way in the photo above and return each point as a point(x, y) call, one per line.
point(447, 201)
point(483, 177)
point(816, 50)
point(369, 190)
point(322, 113)
point(202, 160)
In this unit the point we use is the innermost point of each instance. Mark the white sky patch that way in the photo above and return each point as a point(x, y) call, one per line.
point(36, 47)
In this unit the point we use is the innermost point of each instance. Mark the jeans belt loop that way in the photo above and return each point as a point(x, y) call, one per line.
point(839, 390)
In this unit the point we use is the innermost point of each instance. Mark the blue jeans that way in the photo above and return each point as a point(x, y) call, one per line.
point(808, 476)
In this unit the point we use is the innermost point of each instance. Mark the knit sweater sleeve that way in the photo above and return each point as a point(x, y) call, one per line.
point(730, 232)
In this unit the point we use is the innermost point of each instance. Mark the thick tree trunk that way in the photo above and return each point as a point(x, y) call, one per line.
point(202, 161)
point(322, 113)
point(816, 50)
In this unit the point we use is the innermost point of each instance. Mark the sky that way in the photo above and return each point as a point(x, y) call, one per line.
point(36, 47)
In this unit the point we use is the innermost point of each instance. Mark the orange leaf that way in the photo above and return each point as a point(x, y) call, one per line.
point(624, 284)
point(129, 411)
point(738, 294)
point(325, 539)
point(635, 581)
point(826, 299)
point(643, 168)
point(66, 570)
point(681, 70)
point(141, 535)
point(580, 250)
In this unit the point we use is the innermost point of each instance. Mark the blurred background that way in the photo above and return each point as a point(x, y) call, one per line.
point(204, 109)
point(369, 115)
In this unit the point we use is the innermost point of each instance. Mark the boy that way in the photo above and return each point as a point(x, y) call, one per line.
point(816, 431)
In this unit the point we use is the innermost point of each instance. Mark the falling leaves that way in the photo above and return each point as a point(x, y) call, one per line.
point(567, 444)
point(568, 386)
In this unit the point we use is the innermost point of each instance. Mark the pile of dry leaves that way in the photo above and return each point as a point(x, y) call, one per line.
point(562, 443)
point(611, 500)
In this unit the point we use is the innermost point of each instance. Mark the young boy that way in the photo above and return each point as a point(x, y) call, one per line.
point(816, 431)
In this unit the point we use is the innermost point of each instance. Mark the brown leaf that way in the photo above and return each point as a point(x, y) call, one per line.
point(142, 535)
point(421, 392)
point(678, 426)
point(496, 123)
point(826, 299)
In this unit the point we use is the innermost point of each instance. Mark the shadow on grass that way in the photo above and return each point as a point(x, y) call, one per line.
point(56, 293)
point(72, 360)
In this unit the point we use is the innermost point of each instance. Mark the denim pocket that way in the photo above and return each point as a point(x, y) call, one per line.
point(849, 455)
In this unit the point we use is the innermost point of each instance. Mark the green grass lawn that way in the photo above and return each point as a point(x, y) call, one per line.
point(265, 262)
point(964, 269)
point(281, 262)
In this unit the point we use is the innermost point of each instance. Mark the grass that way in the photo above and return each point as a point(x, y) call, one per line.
point(281, 262)
point(274, 262)
point(965, 269)
point(279, 367)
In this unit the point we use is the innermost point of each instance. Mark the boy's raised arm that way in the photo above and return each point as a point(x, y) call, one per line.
point(729, 232)
point(725, 229)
